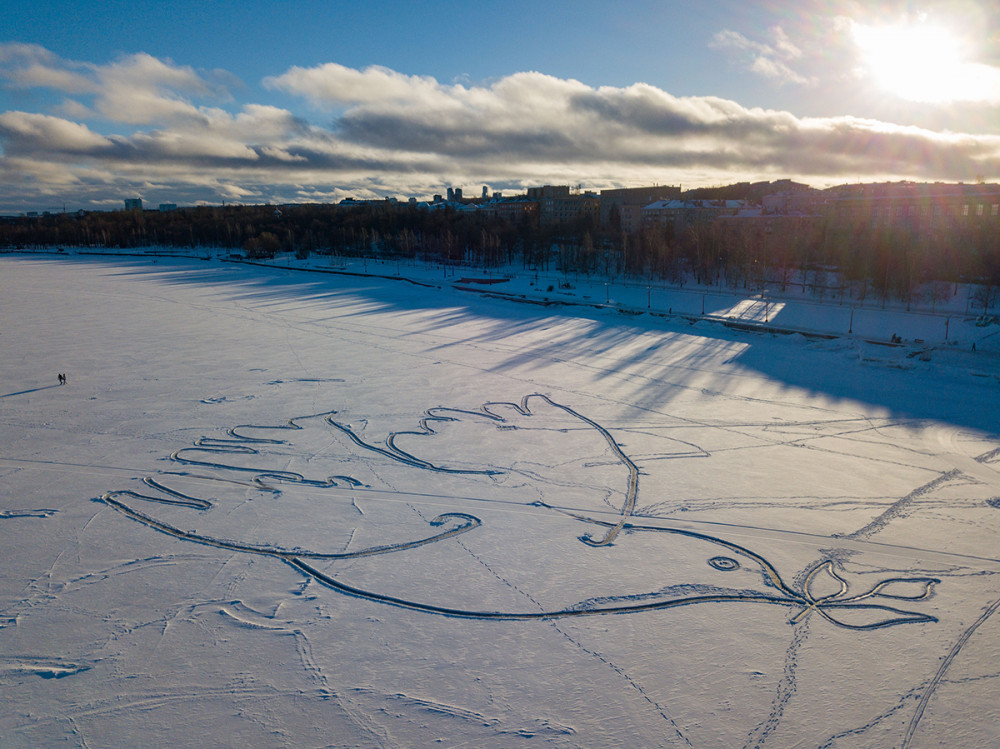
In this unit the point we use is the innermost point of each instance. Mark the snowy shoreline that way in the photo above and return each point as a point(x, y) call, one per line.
point(946, 325)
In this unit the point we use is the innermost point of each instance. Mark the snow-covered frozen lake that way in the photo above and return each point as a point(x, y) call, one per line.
point(272, 508)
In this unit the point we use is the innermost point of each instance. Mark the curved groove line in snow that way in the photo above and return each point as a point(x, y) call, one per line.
point(942, 669)
point(238, 442)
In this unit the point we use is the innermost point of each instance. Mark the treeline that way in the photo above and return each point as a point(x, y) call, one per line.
point(858, 261)
point(375, 229)
point(904, 261)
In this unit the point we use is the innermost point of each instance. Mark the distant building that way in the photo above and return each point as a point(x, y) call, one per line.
point(166, 207)
point(627, 204)
point(797, 203)
point(548, 191)
point(683, 214)
point(133, 204)
point(516, 210)
point(929, 206)
point(557, 205)
point(948, 218)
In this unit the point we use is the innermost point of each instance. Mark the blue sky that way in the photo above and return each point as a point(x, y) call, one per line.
point(315, 101)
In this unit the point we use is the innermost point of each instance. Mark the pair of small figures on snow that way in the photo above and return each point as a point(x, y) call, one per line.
point(62, 379)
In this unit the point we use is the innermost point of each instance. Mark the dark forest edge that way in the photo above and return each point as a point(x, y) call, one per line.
point(860, 260)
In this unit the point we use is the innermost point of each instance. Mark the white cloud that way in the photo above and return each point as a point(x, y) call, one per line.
point(141, 89)
point(74, 110)
point(19, 50)
point(135, 89)
point(398, 134)
point(29, 132)
point(31, 66)
point(783, 45)
point(771, 59)
point(336, 84)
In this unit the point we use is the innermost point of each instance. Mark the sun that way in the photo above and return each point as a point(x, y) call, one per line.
point(920, 62)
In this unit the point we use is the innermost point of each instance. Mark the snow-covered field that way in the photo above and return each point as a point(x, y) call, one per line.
point(274, 508)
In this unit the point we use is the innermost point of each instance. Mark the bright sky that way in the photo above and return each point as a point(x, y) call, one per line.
point(205, 102)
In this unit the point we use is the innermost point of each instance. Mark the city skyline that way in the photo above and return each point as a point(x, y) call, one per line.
point(315, 102)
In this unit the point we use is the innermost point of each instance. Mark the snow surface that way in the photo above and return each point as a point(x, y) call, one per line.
point(281, 508)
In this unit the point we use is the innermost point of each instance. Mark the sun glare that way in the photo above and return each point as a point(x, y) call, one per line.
point(918, 62)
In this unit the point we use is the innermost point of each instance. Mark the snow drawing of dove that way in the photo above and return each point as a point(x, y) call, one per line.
point(556, 524)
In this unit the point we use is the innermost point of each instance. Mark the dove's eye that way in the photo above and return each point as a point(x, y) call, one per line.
point(726, 564)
